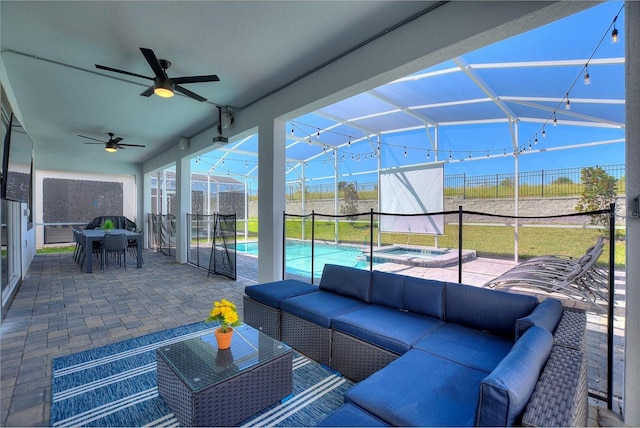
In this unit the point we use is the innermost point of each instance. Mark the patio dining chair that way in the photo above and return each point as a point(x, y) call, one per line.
point(114, 244)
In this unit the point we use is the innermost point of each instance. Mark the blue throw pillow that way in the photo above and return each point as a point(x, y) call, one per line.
point(546, 315)
point(504, 394)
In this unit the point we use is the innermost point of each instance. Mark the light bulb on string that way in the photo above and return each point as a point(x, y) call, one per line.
point(469, 154)
point(349, 142)
point(450, 157)
point(536, 140)
point(487, 153)
point(555, 120)
point(614, 33)
point(504, 152)
point(292, 130)
point(405, 152)
point(544, 133)
point(428, 154)
point(567, 105)
point(587, 78)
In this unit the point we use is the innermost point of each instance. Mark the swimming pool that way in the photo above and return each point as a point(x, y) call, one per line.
point(298, 256)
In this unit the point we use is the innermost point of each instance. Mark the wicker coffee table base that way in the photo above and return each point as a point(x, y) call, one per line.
point(228, 402)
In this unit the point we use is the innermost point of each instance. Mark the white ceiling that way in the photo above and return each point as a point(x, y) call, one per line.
point(50, 48)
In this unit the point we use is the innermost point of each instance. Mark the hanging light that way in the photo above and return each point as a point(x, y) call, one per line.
point(614, 34)
point(587, 78)
point(544, 133)
point(450, 157)
point(567, 105)
point(405, 151)
point(428, 154)
point(555, 120)
point(536, 140)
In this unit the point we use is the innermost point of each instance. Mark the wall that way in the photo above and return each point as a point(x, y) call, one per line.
point(534, 207)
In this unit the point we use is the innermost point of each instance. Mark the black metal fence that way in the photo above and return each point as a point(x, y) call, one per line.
point(542, 183)
point(212, 243)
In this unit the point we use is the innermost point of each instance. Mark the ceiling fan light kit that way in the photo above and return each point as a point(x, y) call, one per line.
point(164, 88)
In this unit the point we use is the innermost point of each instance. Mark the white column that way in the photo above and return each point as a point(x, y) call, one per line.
point(631, 38)
point(183, 202)
point(271, 198)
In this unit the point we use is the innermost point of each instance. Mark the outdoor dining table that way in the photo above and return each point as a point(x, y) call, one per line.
point(96, 235)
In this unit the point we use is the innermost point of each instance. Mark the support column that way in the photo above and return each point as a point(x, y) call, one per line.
point(271, 198)
point(183, 202)
point(631, 38)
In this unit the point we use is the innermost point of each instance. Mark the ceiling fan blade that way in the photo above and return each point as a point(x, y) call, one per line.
point(90, 138)
point(147, 92)
point(151, 58)
point(115, 70)
point(196, 79)
point(117, 140)
point(189, 93)
point(131, 145)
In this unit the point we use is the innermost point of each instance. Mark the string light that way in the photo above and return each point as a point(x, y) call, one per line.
point(614, 33)
point(450, 157)
point(536, 140)
point(555, 120)
point(428, 154)
point(587, 78)
point(544, 133)
point(405, 151)
point(567, 105)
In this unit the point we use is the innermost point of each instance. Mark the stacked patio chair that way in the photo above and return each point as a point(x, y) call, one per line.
point(575, 278)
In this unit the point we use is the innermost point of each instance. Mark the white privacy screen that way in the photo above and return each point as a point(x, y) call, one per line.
point(412, 190)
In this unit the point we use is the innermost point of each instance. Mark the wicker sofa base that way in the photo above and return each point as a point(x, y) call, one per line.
point(356, 359)
point(306, 337)
point(262, 317)
point(231, 401)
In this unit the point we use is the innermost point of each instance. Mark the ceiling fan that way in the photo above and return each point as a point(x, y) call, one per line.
point(113, 144)
point(163, 86)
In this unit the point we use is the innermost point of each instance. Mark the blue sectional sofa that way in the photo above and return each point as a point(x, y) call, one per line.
point(430, 353)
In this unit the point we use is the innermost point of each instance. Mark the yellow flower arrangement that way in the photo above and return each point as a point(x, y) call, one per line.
point(225, 313)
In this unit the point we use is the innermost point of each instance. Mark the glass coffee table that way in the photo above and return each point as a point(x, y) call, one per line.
point(205, 386)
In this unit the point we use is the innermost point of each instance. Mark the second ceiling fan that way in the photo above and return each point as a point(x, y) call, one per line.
point(164, 86)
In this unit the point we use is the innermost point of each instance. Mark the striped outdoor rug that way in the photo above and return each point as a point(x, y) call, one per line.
point(115, 385)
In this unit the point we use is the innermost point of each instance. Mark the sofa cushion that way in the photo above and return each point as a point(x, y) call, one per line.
point(472, 348)
point(347, 281)
point(484, 309)
point(320, 307)
point(349, 415)
point(504, 393)
point(424, 296)
point(385, 327)
point(272, 293)
point(419, 389)
point(386, 289)
point(546, 315)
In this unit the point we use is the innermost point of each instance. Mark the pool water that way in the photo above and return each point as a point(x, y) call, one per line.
point(298, 256)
